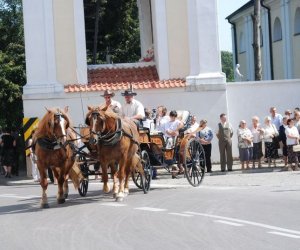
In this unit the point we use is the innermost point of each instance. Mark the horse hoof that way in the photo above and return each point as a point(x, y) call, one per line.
point(61, 201)
point(119, 199)
point(45, 205)
point(115, 195)
point(66, 195)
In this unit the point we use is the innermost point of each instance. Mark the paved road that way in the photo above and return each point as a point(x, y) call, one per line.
point(237, 210)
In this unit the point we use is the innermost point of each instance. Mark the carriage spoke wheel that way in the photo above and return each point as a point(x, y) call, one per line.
point(147, 176)
point(83, 187)
point(84, 184)
point(194, 162)
point(142, 180)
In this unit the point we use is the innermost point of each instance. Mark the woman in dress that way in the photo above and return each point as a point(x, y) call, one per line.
point(245, 144)
point(271, 152)
point(257, 133)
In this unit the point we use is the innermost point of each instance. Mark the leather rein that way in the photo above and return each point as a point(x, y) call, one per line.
point(111, 138)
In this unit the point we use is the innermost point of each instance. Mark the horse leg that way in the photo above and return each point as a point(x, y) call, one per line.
point(116, 185)
point(126, 189)
point(58, 173)
point(106, 188)
point(44, 185)
point(121, 176)
point(66, 187)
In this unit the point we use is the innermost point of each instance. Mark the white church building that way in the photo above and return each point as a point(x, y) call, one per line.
point(184, 74)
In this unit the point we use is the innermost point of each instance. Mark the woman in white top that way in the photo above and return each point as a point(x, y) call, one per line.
point(257, 132)
point(292, 138)
point(245, 143)
point(270, 148)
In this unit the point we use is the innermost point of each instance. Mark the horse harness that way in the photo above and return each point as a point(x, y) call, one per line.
point(110, 139)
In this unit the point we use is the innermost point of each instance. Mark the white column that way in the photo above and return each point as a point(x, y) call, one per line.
point(39, 47)
point(193, 37)
point(249, 48)
point(205, 54)
point(160, 35)
point(81, 61)
point(266, 45)
point(286, 39)
point(145, 25)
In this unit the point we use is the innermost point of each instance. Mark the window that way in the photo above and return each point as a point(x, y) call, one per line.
point(242, 47)
point(277, 35)
point(297, 22)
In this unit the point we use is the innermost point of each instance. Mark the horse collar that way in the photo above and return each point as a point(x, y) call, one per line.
point(111, 139)
point(49, 144)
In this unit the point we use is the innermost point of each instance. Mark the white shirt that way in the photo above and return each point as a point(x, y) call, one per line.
point(293, 131)
point(270, 132)
point(114, 105)
point(148, 123)
point(160, 125)
point(132, 109)
point(192, 129)
point(257, 135)
point(172, 126)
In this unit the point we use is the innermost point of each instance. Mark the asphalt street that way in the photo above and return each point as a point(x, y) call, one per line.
point(236, 210)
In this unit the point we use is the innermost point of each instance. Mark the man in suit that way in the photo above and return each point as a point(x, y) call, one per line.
point(224, 134)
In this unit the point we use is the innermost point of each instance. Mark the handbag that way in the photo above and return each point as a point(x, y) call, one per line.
point(296, 148)
point(276, 141)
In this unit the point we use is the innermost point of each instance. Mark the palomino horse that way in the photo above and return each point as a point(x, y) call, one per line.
point(54, 148)
point(117, 142)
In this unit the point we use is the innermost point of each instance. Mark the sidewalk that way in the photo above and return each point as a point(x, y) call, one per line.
point(164, 176)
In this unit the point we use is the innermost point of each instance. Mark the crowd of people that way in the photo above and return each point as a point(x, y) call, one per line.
point(276, 132)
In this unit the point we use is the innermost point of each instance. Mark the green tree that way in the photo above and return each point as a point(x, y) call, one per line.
point(12, 63)
point(118, 33)
point(227, 65)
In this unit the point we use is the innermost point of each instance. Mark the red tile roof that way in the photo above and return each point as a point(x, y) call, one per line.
point(102, 79)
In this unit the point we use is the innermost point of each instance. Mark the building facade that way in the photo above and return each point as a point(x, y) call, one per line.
point(280, 39)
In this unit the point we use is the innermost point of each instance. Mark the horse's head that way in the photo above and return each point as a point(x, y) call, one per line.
point(58, 123)
point(101, 121)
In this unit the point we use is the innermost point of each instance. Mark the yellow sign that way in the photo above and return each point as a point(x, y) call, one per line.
point(29, 124)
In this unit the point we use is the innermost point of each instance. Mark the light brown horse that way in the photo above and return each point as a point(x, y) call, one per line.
point(53, 143)
point(117, 143)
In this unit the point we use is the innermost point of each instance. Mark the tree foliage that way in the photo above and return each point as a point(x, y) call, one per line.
point(227, 65)
point(12, 63)
point(118, 33)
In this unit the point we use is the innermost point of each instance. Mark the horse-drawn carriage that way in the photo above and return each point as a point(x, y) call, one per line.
point(118, 145)
point(153, 151)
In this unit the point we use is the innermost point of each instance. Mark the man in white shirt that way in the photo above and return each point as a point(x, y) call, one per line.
point(132, 108)
point(110, 103)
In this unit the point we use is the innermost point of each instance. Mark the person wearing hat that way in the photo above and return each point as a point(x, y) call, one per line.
point(132, 108)
point(110, 103)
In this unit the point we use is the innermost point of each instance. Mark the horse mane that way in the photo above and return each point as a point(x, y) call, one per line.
point(44, 125)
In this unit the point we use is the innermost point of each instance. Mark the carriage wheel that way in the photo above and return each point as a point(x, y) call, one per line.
point(146, 178)
point(141, 180)
point(83, 187)
point(194, 162)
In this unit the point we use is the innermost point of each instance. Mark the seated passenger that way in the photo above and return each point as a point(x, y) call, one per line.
point(171, 129)
point(148, 122)
point(194, 126)
point(161, 119)
point(132, 108)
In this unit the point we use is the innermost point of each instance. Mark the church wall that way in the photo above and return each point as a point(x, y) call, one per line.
point(295, 39)
point(178, 44)
point(239, 101)
point(278, 60)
